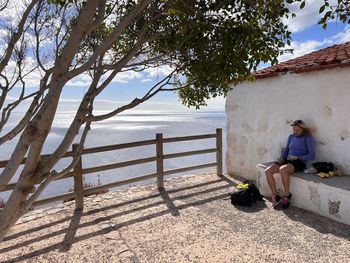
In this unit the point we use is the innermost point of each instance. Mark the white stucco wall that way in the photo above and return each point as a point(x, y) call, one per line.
point(259, 116)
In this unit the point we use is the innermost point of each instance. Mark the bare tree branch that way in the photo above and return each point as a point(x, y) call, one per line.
point(56, 175)
point(109, 41)
point(4, 90)
point(38, 128)
point(16, 35)
point(34, 107)
point(73, 129)
point(153, 91)
point(11, 106)
point(37, 30)
point(3, 4)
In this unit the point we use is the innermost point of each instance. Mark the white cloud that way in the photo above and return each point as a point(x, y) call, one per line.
point(302, 48)
point(146, 80)
point(159, 71)
point(14, 11)
point(104, 106)
point(217, 103)
point(341, 37)
point(124, 77)
point(80, 80)
point(32, 74)
point(148, 75)
point(306, 17)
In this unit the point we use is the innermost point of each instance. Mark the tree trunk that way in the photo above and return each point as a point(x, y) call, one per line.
point(9, 215)
point(40, 125)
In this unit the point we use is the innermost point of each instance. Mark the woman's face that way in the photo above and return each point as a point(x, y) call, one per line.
point(297, 130)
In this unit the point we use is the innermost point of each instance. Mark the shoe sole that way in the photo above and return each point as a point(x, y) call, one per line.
point(290, 204)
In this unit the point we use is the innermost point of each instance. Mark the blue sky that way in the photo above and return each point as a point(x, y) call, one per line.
point(307, 37)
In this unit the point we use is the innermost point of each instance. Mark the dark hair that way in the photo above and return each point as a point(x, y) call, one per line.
point(302, 125)
point(297, 123)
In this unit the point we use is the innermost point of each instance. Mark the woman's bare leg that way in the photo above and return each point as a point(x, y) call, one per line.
point(285, 171)
point(269, 172)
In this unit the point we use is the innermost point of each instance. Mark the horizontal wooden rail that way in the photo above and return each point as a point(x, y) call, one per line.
point(117, 165)
point(78, 171)
point(182, 154)
point(13, 185)
point(119, 183)
point(67, 154)
point(189, 138)
point(124, 146)
point(117, 146)
point(54, 199)
point(189, 168)
point(95, 150)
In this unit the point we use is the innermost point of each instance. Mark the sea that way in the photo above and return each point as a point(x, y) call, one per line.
point(131, 126)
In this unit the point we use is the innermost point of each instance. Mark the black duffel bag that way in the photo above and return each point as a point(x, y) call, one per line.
point(246, 195)
point(323, 167)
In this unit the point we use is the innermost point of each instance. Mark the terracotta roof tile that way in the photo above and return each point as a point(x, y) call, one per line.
point(327, 58)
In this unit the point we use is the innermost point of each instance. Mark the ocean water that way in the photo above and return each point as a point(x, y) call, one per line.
point(129, 127)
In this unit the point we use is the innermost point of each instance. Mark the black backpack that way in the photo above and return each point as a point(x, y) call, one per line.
point(323, 167)
point(247, 194)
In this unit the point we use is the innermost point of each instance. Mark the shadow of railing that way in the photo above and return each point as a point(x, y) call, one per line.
point(71, 230)
point(114, 206)
point(195, 191)
point(192, 196)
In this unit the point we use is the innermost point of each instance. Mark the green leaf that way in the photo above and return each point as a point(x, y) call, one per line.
point(343, 18)
point(322, 9)
point(328, 14)
point(302, 5)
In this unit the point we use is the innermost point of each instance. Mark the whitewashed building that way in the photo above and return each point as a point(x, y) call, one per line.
point(315, 88)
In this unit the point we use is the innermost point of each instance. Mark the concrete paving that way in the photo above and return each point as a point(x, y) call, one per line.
point(191, 220)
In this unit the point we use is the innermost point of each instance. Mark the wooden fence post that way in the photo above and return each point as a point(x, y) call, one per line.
point(78, 182)
point(219, 152)
point(160, 166)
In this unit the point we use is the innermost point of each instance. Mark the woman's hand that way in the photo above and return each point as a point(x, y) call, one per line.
point(292, 158)
point(280, 160)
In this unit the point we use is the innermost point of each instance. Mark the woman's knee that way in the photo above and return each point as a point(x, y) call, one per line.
point(271, 170)
point(286, 169)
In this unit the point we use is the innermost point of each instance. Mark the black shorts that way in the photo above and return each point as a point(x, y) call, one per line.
point(298, 164)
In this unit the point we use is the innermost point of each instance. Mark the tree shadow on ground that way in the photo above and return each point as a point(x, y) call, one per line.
point(321, 224)
point(114, 206)
point(194, 195)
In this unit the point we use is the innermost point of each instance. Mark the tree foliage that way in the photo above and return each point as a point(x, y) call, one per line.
point(335, 11)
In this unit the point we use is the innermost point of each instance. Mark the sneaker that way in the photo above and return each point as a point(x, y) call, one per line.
point(276, 199)
point(310, 170)
point(287, 201)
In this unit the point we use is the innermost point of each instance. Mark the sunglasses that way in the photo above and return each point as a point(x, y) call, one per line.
point(297, 123)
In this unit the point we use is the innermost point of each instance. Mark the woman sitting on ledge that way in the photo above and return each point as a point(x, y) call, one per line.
point(299, 149)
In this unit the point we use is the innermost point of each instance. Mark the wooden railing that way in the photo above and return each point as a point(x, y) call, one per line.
point(78, 171)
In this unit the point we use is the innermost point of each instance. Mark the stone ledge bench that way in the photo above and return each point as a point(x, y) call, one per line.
point(329, 197)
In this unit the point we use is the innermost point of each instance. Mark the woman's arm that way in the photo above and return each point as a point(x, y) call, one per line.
point(310, 145)
point(286, 149)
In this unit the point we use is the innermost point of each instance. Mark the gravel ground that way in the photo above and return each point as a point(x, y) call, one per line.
point(192, 220)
